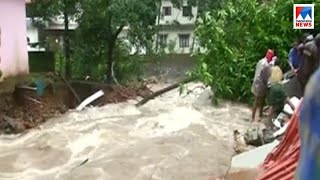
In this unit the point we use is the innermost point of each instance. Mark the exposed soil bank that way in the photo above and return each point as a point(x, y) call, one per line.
point(21, 109)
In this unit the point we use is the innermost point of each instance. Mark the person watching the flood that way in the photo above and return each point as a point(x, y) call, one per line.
point(309, 62)
point(309, 127)
point(295, 55)
point(260, 84)
point(277, 97)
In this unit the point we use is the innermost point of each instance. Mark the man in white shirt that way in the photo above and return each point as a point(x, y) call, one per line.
point(260, 83)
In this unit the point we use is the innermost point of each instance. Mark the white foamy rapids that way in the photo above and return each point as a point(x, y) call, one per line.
point(170, 137)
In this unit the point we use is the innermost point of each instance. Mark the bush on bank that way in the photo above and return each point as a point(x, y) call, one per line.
point(236, 36)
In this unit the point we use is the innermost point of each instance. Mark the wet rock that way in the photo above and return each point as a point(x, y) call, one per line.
point(12, 125)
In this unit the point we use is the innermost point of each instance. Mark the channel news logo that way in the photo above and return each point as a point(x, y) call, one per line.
point(303, 16)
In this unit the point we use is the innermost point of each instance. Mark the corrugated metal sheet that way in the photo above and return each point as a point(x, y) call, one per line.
point(282, 162)
point(13, 38)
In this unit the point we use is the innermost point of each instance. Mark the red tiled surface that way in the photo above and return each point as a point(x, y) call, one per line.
point(282, 162)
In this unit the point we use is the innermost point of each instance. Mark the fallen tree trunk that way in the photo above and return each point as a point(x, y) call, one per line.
point(162, 91)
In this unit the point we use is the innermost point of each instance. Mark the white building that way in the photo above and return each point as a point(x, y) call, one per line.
point(32, 36)
point(56, 26)
point(176, 35)
point(177, 27)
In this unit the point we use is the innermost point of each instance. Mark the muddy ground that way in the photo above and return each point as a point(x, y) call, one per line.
point(21, 109)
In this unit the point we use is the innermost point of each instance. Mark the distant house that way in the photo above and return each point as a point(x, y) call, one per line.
point(177, 25)
point(13, 38)
point(55, 29)
point(177, 28)
point(41, 34)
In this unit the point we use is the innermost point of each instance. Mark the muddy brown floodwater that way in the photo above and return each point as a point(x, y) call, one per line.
point(170, 138)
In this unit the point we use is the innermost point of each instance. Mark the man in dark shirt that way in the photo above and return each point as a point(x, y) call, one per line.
point(295, 56)
point(310, 61)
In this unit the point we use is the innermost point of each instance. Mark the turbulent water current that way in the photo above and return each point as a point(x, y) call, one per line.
point(172, 137)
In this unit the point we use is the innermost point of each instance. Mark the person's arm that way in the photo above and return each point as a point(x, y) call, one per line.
point(265, 75)
point(290, 103)
point(256, 70)
point(291, 58)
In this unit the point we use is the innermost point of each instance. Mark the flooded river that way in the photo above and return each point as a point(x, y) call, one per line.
point(170, 138)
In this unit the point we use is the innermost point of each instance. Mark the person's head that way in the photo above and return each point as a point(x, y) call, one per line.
point(269, 55)
point(304, 37)
point(300, 48)
point(317, 40)
point(309, 38)
point(296, 43)
point(276, 62)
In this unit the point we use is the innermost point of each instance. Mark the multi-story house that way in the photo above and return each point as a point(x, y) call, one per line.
point(177, 27)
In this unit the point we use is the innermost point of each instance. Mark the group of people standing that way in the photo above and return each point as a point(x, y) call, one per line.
point(267, 85)
point(304, 60)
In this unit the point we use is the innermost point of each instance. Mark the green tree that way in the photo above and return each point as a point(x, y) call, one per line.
point(48, 10)
point(236, 36)
point(102, 21)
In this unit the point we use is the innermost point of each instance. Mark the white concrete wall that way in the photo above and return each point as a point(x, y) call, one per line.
point(134, 50)
point(176, 14)
point(32, 32)
point(13, 38)
point(33, 35)
point(173, 33)
point(173, 45)
point(58, 23)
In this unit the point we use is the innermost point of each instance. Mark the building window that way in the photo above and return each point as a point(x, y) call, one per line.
point(186, 11)
point(184, 40)
point(163, 40)
point(166, 11)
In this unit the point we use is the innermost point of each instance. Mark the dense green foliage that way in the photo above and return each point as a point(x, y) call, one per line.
point(236, 36)
point(99, 48)
point(36, 63)
point(48, 11)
